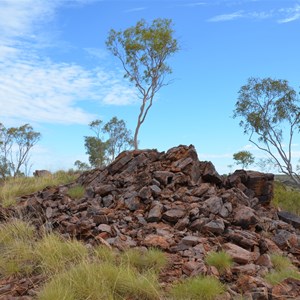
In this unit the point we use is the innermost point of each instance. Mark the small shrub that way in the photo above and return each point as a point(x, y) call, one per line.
point(286, 198)
point(205, 288)
point(56, 254)
point(221, 260)
point(76, 192)
point(150, 260)
point(100, 282)
point(280, 262)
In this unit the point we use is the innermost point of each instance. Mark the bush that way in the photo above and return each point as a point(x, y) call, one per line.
point(286, 198)
point(200, 287)
point(221, 260)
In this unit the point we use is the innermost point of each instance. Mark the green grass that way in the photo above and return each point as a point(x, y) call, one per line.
point(221, 260)
point(145, 261)
point(100, 281)
point(104, 254)
point(200, 287)
point(286, 198)
point(56, 254)
point(283, 269)
point(16, 248)
point(13, 188)
point(280, 262)
point(76, 192)
point(276, 277)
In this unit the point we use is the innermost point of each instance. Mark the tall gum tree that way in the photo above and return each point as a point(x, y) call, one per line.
point(143, 50)
point(270, 113)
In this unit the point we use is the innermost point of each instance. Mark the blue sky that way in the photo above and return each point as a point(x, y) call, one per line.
point(57, 75)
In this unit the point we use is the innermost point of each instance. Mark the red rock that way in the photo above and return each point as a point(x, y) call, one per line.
point(153, 240)
point(238, 254)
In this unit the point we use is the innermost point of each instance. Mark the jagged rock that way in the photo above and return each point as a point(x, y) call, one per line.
point(245, 216)
point(155, 212)
point(238, 254)
point(289, 218)
point(173, 215)
point(214, 226)
point(177, 203)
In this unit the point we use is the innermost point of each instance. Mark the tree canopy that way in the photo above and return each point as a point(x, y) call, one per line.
point(244, 158)
point(15, 146)
point(143, 50)
point(270, 113)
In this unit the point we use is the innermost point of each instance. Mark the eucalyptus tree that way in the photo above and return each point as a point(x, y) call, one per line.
point(270, 113)
point(143, 50)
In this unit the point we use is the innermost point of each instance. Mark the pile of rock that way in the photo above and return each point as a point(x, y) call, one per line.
point(182, 205)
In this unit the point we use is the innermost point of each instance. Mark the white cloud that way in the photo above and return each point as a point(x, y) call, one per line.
point(37, 89)
point(292, 14)
point(135, 9)
point(227, 17)
point(283, 15)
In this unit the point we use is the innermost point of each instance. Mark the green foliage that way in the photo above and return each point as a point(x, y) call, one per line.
point(286, 198)
point(244, 158)
point(21, 186)
point(143, 50)
point(270, 110)
point(221, 260)
point(150, 260)
point(81, 166)
point(56, 254)
point(96, 281)
point(15, 146)
point(76, 192)
point(101, 151)
point(119, 137)
point(205, 288)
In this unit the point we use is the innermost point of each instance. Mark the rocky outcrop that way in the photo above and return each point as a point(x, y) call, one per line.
point(177, 203)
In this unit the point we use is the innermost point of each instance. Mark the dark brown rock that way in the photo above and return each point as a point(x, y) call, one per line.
point(289, 218)
point(173, 215)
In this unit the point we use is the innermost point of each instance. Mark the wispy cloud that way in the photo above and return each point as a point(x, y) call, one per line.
point(135, 9)
point(193, 4)
point(282, 15)
point(34, 88)
point(227, 17)
point(292, 14)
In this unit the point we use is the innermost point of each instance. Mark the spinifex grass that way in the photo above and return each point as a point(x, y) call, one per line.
point(56, 254)
point(286, 198)
point(280, 262)
point(283, 269)
point(201, 287)
point(12, 188)
point(76, 192)
point(144, 261)
point(100, 281)
point(221, 260)
point(16, 247)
